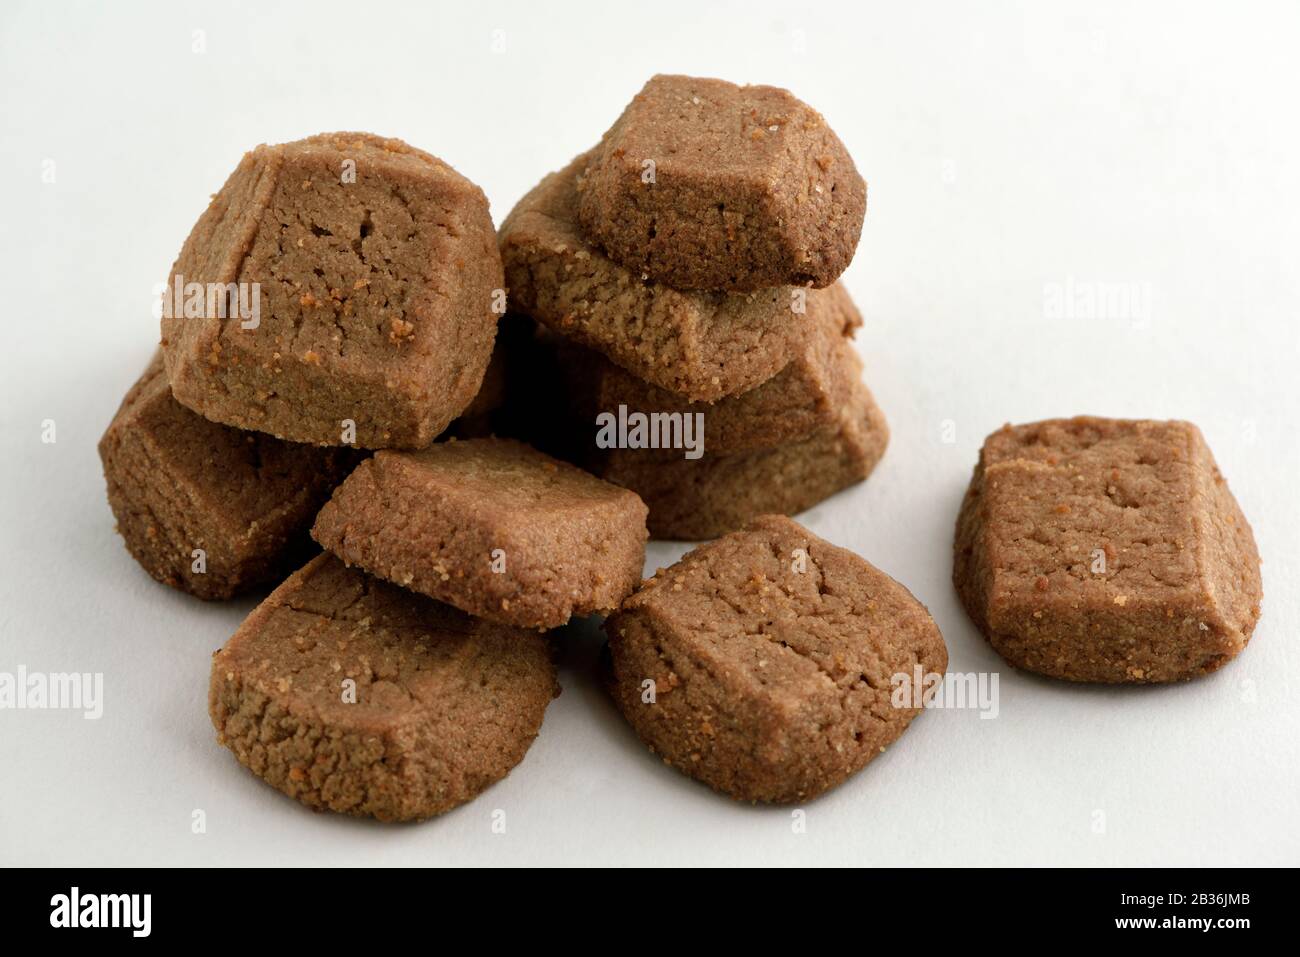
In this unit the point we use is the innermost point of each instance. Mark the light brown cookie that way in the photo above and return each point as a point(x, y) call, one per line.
point(805, 397)
point(491, 526)
point(763, 663)
point(702, 184)
point(702, 498)
point(206, 508)
point(1106, 550)
point(352, 695)
point(374, 270)
point(700, 345)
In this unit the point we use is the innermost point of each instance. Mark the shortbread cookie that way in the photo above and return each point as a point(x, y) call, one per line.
point(491, 526)
point(764, 664)
point(352, 695)
point(1106, 550)
point(706, 497)
point(702, 184)
point(376, 274)
point(206, 508)
point(805, 397)
point(701, 345)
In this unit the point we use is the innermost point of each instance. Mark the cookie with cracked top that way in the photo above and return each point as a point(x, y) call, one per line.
point(355, 696)
point(763, 663)
point(703, 184)
point(367, 274)
point(1106, 550)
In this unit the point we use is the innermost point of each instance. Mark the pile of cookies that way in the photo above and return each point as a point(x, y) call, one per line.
point(407, 668)
point(338, 372)
point(339, 295)
point(683, 276)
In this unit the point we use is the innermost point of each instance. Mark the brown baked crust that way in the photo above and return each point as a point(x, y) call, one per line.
point(805, 397)
point(750, 188)
point(434, 521)
point(178, 482)
point(1106, 550)
point(445, 705)
point(770, 684)
point(691, 500)
point(376, 295)
point(700, 345)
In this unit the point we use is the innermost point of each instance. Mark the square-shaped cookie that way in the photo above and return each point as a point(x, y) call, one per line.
point(206, 508)
point(703, 184)
point(367, 273)
point(694, 499)
point(1106, 550)
point(700, 345)
point(805, 397)
point(764, 664)
point(491, 526)
point(355, 696)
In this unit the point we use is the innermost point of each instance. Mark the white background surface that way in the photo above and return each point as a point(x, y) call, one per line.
point(1008, 147)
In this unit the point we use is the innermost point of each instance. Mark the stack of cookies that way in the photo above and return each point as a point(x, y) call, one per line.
point(339, 295)
point(681, 335)
point(693, 343)
point(307, 318)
